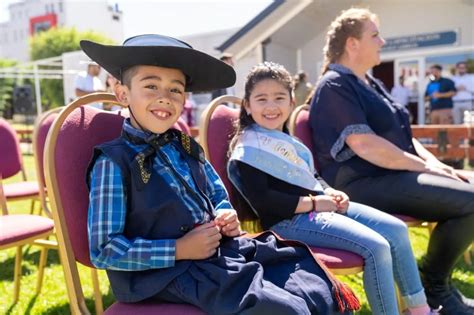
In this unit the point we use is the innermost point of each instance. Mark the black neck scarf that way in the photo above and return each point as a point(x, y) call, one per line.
point(143, 161)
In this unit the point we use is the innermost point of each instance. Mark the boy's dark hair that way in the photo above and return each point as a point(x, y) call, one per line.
point(437, 66)
point(262, 71)
point(461, 63)
point(127, 76)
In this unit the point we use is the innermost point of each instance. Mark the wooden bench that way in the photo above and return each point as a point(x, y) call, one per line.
point(25, 135)
point(449, 143)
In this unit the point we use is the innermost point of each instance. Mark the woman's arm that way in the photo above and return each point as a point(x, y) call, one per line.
point(383, 153)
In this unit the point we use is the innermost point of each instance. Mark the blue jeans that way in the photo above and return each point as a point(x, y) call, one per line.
point(381, 239)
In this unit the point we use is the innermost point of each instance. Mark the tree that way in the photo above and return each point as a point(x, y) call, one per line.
point(6, 90)
point(54, 42)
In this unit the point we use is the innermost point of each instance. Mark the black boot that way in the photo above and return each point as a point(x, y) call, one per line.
point(438, 293)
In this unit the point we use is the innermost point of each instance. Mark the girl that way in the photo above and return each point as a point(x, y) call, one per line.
point(275, 175)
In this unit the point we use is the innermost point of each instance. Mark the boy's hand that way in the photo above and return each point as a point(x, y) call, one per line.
point(228, 222)
point(199, 243)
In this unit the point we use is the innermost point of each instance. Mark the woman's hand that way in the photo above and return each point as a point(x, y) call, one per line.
point(228, 222)
point(199, 243)
point(440, 169)
point(341, 198)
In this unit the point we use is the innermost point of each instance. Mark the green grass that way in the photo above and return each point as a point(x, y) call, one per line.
point(53, 297)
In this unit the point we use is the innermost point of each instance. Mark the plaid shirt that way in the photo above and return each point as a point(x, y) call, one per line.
point(109, 248)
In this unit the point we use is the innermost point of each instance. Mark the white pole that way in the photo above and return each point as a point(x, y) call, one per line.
point(37, 90)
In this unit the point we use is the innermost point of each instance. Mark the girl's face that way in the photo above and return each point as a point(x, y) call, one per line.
point(270, 104)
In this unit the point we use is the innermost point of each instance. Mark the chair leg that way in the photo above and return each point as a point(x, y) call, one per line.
point(41, 266)
point(401, 305)
point(99, 307)
point(467, 256)
point(32, 206)
point(17, 274)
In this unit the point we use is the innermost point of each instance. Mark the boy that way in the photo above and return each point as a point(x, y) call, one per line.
point(159, 217)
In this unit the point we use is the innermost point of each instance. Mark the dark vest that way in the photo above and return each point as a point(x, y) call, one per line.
point(154, 211)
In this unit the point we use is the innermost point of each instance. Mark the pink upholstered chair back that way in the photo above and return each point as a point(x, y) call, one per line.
point(69, 147)
point(216, 131)
point(299, 127)
point(10, 154)
point(42, 126)
point(182, 126)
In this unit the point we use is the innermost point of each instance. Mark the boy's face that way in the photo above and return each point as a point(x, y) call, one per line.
point(156, 97)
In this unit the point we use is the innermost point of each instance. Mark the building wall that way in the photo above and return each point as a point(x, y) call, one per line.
point(398, 19)
point(84, 15)
point(422, 16)
point(94, 15)
point(242, 68)
point(282, 54)
point(207, 42)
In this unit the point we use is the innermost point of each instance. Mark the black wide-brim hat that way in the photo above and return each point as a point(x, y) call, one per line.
point(203, 72)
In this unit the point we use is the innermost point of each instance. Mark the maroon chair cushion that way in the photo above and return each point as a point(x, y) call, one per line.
point(219, 133)
point(83, 129)
point(338, 259)
point(406, 218)
point(10, 157)
point(21, 189)
point(303, 132)
point(152, 308)
point(41, 140)
point(15, 228)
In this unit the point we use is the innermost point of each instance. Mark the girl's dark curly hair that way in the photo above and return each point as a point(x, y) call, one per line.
point(262, 71)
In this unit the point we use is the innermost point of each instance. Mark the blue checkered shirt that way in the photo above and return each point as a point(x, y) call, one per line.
point(109, 248)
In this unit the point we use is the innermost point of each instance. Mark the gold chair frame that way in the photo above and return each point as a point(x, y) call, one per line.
point(74, 289)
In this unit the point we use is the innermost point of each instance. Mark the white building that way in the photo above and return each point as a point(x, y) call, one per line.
point(30, 16)
point(418, 33)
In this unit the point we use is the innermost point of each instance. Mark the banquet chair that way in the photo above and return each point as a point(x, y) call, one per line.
point(215, 131)
point(11, 164)
point(69, 146)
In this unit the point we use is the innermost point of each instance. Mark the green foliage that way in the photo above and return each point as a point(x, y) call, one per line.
point(55, 42)
point(470, 65)
point(6, 89)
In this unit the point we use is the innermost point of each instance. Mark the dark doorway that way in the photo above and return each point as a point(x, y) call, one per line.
point(385, 73)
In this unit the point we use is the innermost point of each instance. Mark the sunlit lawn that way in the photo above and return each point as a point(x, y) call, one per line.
point(53, 298)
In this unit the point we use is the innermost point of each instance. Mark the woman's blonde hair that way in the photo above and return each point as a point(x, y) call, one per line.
point(350, 23)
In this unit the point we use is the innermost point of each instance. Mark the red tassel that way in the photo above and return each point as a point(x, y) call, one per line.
point(344, 297)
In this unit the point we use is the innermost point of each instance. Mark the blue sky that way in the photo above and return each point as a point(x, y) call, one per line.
point(177, 17)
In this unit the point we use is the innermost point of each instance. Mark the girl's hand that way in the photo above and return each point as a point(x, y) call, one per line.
point(228, 222)
point(199, 243)
point(341, 198)
point(325, 203)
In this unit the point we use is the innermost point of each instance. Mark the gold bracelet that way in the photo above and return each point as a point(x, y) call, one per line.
point(313, 200)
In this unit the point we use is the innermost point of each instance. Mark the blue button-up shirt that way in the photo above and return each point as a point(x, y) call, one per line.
point(344, 105)
point(109, 248)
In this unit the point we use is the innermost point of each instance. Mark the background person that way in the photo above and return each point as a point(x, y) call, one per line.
point(88, 82)
point(464, 98)
point(439, 93)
